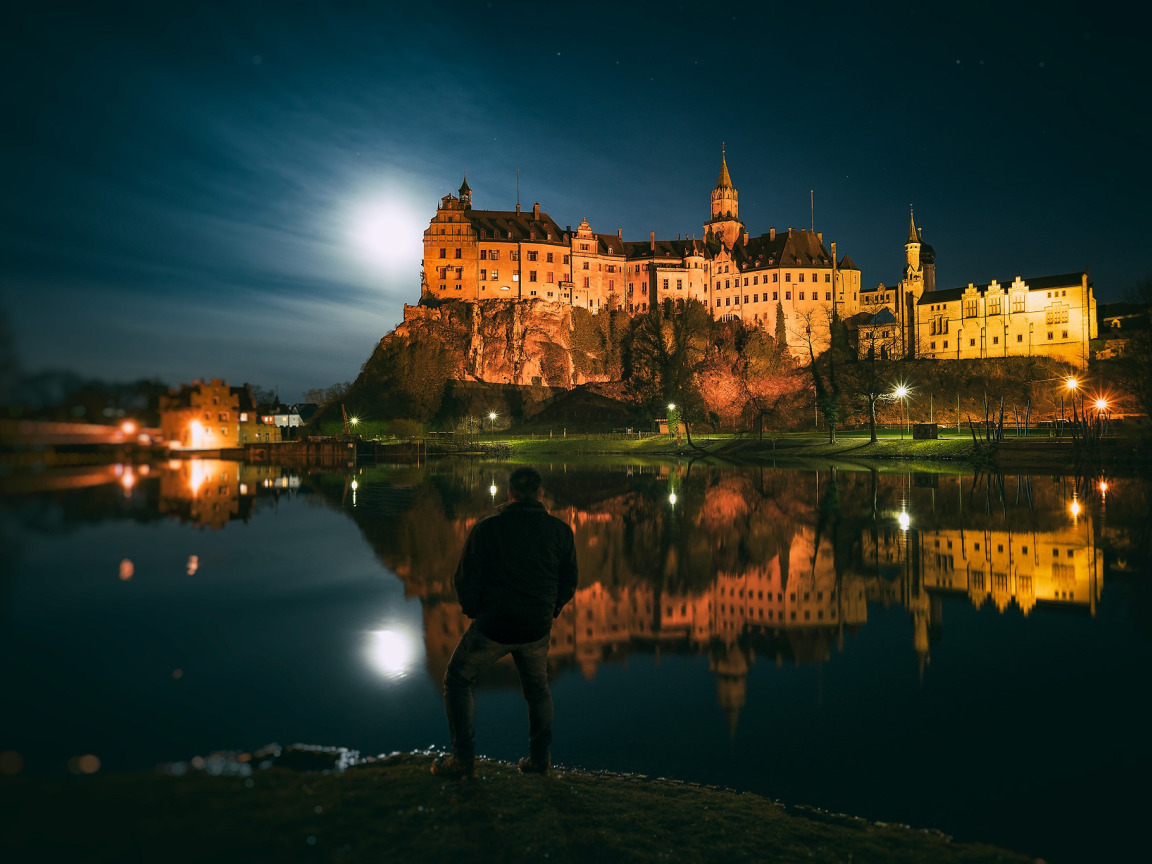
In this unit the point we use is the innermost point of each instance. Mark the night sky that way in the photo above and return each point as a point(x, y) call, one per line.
point(239, 190)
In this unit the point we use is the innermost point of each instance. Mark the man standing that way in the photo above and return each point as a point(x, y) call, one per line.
point(517, 572)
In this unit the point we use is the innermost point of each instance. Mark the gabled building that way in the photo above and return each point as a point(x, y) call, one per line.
point(477, 255)
point(210, 416)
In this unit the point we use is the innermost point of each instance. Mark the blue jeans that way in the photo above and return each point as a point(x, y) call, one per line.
point(475, 653)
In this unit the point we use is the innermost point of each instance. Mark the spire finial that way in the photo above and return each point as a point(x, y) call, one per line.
point(913, 236)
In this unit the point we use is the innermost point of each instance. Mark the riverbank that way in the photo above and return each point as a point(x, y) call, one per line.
point(953, 452)
point(394, 809)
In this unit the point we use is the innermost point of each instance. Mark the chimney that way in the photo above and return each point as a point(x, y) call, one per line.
point(517, 206)
point(536, 210)
point(620, 233)
point(652, 241)
point(789, 230)
point(771, 233)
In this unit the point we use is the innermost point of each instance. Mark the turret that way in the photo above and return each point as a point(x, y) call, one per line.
point(912, 247)
point(466, 193)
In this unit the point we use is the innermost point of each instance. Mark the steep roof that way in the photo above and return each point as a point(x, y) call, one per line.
point(913, 237)
point(664, 248)
point(797, 248)
point(510, 225)
point(609, 244)
point(846, 263)
point(1036, 283)
point(724, 181)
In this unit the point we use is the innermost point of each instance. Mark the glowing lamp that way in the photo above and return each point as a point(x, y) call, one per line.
point(1071, 383)
point(1101, 404)
point(905, 521)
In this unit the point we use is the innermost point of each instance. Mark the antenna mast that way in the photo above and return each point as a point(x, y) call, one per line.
point(812, 206)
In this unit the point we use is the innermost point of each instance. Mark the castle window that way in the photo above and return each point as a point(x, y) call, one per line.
point(459, 272)
point(933, 344)
point(972, 342)
point(755, 279)
point(1065, 334)
point(679, 284)
point(727, 301)
point(1019, 337)
point(745, 281)
point(717, 301)
point(775, 277)
point(495, 275)
point(585, 281)
point(945, 344)
point(727, 283)
point(717, 284)
point(457, 287)
point(800, 278)
point(745, 298)
point(1018, 303)
point(583, 247)
point(531, 275)
point(566, 259)
point(787, 295)
point(494, 255)
point(483, 275)
point(550, 260)
point(443, 253)
point(755, 298)
point(787, 277)
point(514, 255)
point(774, 293)
point(585, 265)
point(665, 284)
point(995, 340)
point(827, 295)
point(483, 254)
point(551, 276)
point(457, 255)
point(994, 306)
point(532, 255)
point(611, 284)
point(827, 277)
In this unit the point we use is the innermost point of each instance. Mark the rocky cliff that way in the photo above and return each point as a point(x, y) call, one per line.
point(510, 342)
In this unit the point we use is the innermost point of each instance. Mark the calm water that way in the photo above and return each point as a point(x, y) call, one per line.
point(967, 653)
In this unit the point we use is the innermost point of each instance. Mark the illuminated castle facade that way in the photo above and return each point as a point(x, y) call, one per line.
point(476, 255)
point(1050, 316)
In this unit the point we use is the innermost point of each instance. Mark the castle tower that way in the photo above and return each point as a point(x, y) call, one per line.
point(466, 193)
point(911, 287)
point(725, 221)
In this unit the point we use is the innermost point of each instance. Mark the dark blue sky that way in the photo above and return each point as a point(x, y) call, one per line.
point(238, 190)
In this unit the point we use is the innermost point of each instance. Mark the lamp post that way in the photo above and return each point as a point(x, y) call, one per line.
point(672, 420)
point(492, 425)
point(1070, 384)
point(902, 394)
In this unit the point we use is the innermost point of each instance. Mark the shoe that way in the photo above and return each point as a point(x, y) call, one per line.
point(451, 768)
point(528, 765)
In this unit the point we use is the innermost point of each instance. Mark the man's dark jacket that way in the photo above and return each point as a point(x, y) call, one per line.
point(517, 572)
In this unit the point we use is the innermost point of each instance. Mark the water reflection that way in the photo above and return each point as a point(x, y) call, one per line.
point(392, 652)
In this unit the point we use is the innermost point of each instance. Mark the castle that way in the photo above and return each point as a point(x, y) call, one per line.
point(478, 255)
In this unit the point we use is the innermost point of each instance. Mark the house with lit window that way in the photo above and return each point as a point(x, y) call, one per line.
point(211, 415)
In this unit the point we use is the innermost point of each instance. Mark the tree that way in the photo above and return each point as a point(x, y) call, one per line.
point(669, 347)
point(781, 329)
point(824, 367)
point(327, 395)
point(762, 371)
point(871, 377)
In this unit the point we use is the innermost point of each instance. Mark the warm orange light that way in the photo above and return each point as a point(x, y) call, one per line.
point(128, 480)
point(128, 427)
point(197, 474)
point(199, 435)
point(1074, 507)
point(1101, 404)
point(1071, 383)
point(1103, 486)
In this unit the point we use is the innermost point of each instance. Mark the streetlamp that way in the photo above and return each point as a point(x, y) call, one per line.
point(671, 420)
point(901, 393)
point(492, 425)
point(1070, 384)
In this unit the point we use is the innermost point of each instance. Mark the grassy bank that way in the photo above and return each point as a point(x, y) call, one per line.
point(396, 810)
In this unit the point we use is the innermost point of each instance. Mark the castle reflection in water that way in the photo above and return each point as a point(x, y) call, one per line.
point(735, 564)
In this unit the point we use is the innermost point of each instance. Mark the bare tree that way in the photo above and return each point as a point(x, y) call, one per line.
point(817, 328)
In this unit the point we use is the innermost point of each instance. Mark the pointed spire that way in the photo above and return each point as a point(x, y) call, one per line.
point(913, 237)
point(725, 181)
point(464, 188)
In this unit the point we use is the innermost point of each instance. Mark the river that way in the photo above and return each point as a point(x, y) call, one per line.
point(957, 651)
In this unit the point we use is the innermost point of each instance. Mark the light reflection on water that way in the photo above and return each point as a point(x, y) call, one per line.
point(892, 645)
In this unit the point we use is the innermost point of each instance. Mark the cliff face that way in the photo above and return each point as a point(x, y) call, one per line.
point(515, 342)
